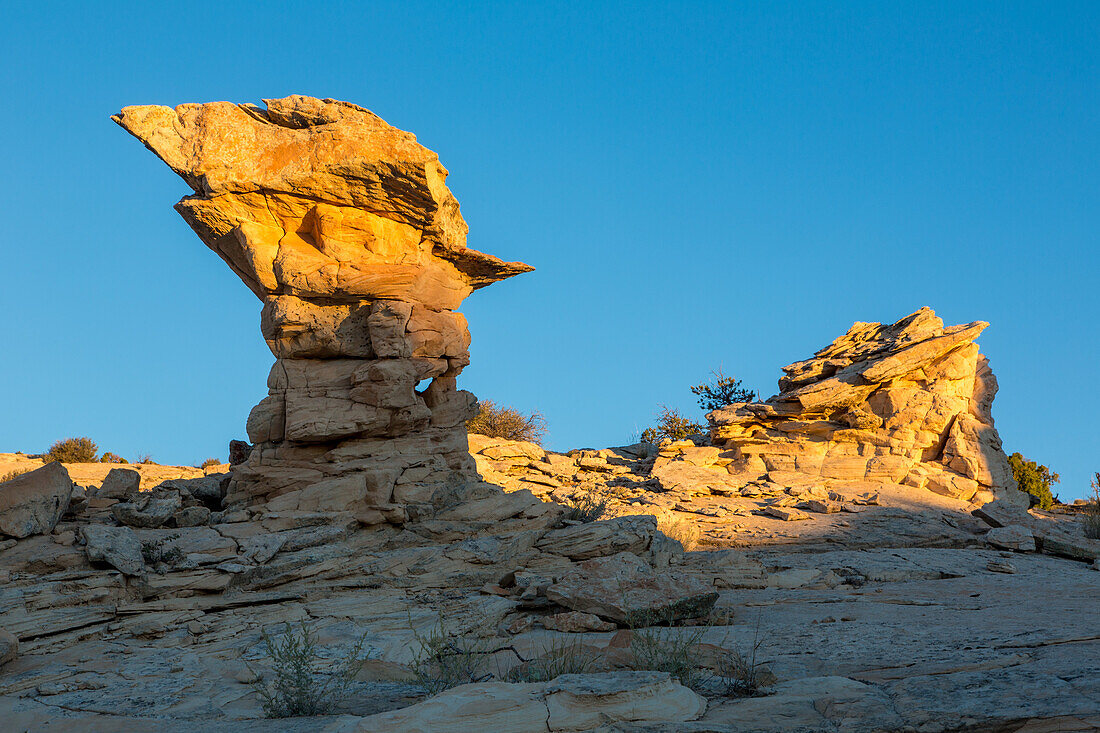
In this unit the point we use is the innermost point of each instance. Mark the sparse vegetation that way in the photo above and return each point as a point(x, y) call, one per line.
point(13, 474)
point(72, 450)
point(507, 423)
point(144, 458)
point(109, 457)
point(154, 552)
point(741, 675)
point(561, 657)
point(209, 462)
point(666, 649)
point(444, 661)
point(1034, 479)
point(298, 684)
point(721, 391)
point(683, 531)
point(585, 507)
point(1092, 511)
point(671, 425)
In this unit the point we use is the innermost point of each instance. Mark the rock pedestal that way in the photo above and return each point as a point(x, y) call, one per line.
point(904, 403)
point(343, 226)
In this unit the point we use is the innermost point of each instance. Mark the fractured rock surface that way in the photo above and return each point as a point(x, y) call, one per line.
point(907, 403)
point(344, 227)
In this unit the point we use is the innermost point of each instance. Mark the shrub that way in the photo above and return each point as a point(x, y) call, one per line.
point(670, 650)
point(743, 676)
point(585, 508)
point(1034, 479)
point(14, 474)
point(444, 661)
point(721, 391)
point(109, 457)
point(507, 423)
point(671, 425)
point(683, 531)
point(561, 657)
point(1092, 511)
point(144, 458)
point(72, 450)
point(298, 686)
point(209, 462)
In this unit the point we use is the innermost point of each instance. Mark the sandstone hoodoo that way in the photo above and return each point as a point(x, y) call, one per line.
point(906, 403)
point(343, 226)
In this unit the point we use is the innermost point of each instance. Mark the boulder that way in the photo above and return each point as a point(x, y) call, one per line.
point(625, 589)
point(1012, 537)
point(117, 546)
point(632, 534)
point(148, 514)
point(120, 483)
point(34, 502)
point(9, 647)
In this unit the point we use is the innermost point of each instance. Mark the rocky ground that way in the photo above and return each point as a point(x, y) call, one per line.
point(867, 606)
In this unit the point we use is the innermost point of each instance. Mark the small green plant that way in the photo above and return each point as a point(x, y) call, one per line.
point(671, 425)
point(743, 676)
point(560, 657)
point(507, 423)
point(298, 685)
point(154, 552)
point(1034, 479)
point(72, 450)
point(444, 661)
point(13, 474)
point(585, 507)
point(721, 391)
point(666, 649)
point(109, 457)
point(209, 462)
point(1092, 511)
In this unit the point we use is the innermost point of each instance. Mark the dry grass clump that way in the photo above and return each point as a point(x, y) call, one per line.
point(298, 686)
point(670, 650)
point(209, 462)
point(444, 661)
point(1092, 511)
point(72, 450)
point(683, 531)
point(561, 657)
point(14, 474)
point(507, 423)
point(585, 507)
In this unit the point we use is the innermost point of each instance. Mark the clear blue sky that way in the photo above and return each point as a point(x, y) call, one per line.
point(698, 185)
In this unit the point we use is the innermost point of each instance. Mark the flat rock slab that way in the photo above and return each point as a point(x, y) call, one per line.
point(626, 590)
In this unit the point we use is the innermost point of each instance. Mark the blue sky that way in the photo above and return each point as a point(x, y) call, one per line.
point(699, 185)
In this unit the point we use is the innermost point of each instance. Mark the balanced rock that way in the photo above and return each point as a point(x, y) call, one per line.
point(904, 403)
point(343, 226)
point(34, 502)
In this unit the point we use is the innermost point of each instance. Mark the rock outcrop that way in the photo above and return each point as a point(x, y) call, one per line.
point(343, 226)
point(907, 403)
point(34, 502)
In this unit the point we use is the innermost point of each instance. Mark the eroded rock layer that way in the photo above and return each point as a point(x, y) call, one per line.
point(343, 226)
point(902, 403)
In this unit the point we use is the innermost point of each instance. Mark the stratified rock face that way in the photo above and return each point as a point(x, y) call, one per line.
point(903, 403)
point(343, 226)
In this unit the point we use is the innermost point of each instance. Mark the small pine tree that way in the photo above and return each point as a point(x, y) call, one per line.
point(1034, 479)
point(721, 391)
point(671, 425)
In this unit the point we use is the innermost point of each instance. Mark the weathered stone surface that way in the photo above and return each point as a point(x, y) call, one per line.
point(34, 502)
point(576, 621)
point(121, 483)
point(581, 702)
point(902, 403)
point(118, 546)
point(9, 647)
point(625, 589)
point(344, 227)
point(599, 539)
point(1012, 538)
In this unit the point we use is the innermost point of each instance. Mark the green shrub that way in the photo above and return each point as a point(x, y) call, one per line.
point(1092, 511)
point(72, 450)
point(1034, 479)
point(721, 391)
point(298, 686)
point(507, 423)
point(671, 425)
point(670, 650)
point(109, 457)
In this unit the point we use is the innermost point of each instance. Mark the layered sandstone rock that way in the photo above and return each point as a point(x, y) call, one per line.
point(903, 403)
point(343, 226)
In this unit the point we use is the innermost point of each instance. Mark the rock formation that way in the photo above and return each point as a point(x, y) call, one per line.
point(343, 226)
point(905, 403)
